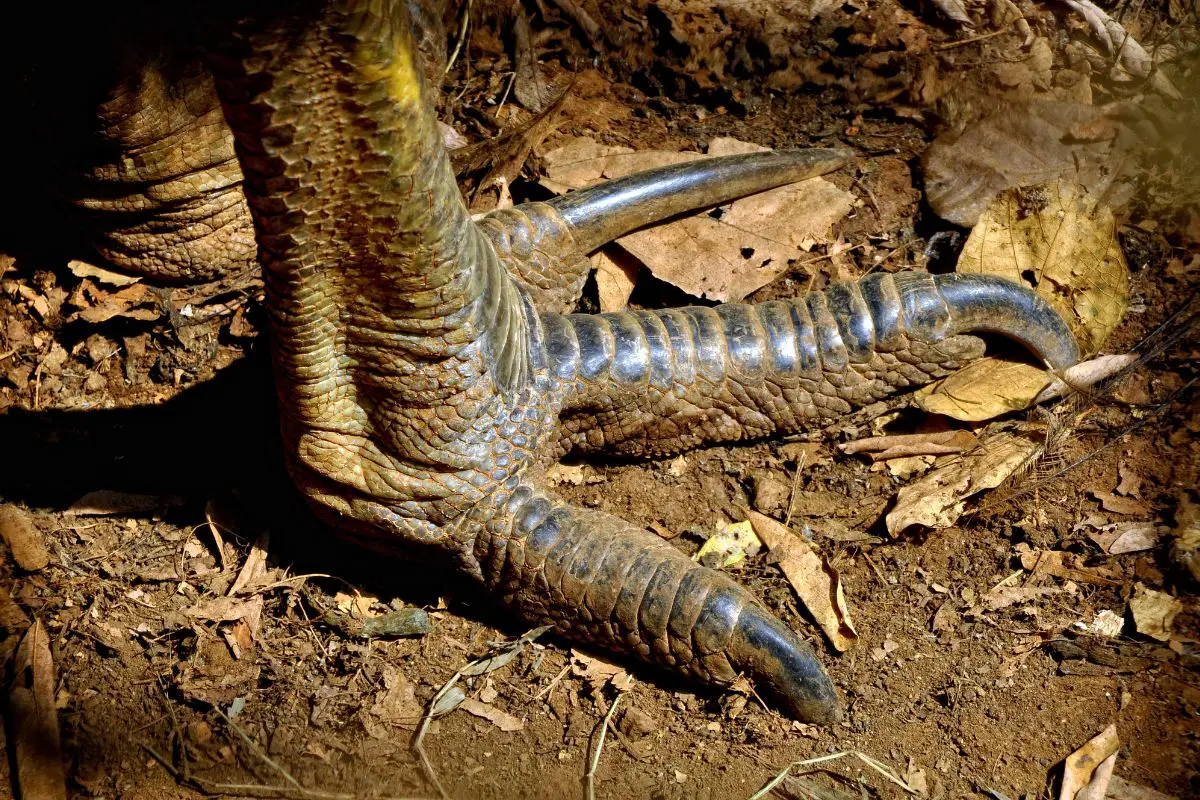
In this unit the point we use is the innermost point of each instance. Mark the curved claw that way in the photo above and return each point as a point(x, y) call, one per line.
point(764, 648)
point(602, 213)
point(991, 304)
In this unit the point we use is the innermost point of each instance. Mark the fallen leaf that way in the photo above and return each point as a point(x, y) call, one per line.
point(1126, 537)
point(1185, 546)
point(104, 502)
point(1063, 241)
point(1116, 40)
point(722, 255)
point(12, 617)
point(728, 546)
point(882, 652)
point(616, 276)
point(1005, 596)
point(32, 716)
point(24, 540)
point(529, 84)
point(912, 444)
point(1090, 764)
point(255, 567)
point(937, 500)
point(598, 672)
point(82, 269)
point(1121, 505)
point(818, 585)
point(1069, 566)
point(1153, 612)
point(1023, 145)
point(226, 609)
point(498, 717)
point(984, 389)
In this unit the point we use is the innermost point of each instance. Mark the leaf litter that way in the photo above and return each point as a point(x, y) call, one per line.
point(724, 255)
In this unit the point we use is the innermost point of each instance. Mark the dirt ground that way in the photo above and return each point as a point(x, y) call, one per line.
point(157, 667)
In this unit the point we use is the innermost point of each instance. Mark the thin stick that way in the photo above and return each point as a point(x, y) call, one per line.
point(591, 773)
point(554, 682)
point(462, 38)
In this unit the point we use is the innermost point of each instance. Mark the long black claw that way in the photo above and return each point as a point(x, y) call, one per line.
point(602, 213)
point(764, 648)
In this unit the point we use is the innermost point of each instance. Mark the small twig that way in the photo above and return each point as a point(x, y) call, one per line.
point(591, 773)
point(884, 770)
point(462, 38)
point(254, 748)
point(553, 682)
point(973, 39)
point(787, 521)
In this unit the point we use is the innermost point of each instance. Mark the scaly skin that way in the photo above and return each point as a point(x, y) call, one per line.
point(425, 371)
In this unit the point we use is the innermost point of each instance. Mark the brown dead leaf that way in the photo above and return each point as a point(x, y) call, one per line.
point(616, 277)
point(397, 704)
point(1090, 764)
point(598, 672)
point(103, 502)
point(723, 256)
point(134, 302)
point(1153, 612)
point(498, 717)
point(226, 609)
point(1122, 505)
point(1069, 566)
point(24, 540)
point(1185, 544)
point(1005, 596)
point(82, 269)
point(529, 85)
point(912, 444)
point(984, 389)
point(1059, 238)
point(1126, 537)
point(1023, 145)
point(255, 567)
point(818, 585)
point(34, 744)
point(12, 617)
point(937, 500)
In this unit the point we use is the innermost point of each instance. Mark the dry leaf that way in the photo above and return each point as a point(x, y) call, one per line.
point(937, 499)
point(984, 389)
point(498, 717)
point(1122, 505)
point(34, 745)
point(1085, 375)
point(398, 705)
point(616, 276)
point(1126, 537)
point(1069, 566)
point(598, 672)
point(728, 546)
point(1153, 612)
point(723, 256)
point(105, 502)
point(1062, 240)
point(226, 609)
point(1005, 596)
point(1090, 763)
point(1185, 547)
point(24, 541)
point(1107, 624)
point(1023, 145)
point(82, 269)
point(818, 585)
point(1121, 789)
point(912, 444)
point(1117, 41)
point(255, 567)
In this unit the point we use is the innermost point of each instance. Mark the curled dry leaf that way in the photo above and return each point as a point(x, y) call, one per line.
point(34, 745)
point(598, 672)
point(818, 585)
point(907, 445)
point(1069, 566)
point(498, 717)
point(1059, 238)
point(82, 269)
point(1153, 612)
point(616, 276)
point(24, 540)
point(722, 256)
point(1090, 764)
point(1126, 537)
point(1115, 40)
point(937, 500)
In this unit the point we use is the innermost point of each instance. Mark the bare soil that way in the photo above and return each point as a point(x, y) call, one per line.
point(962, 701)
